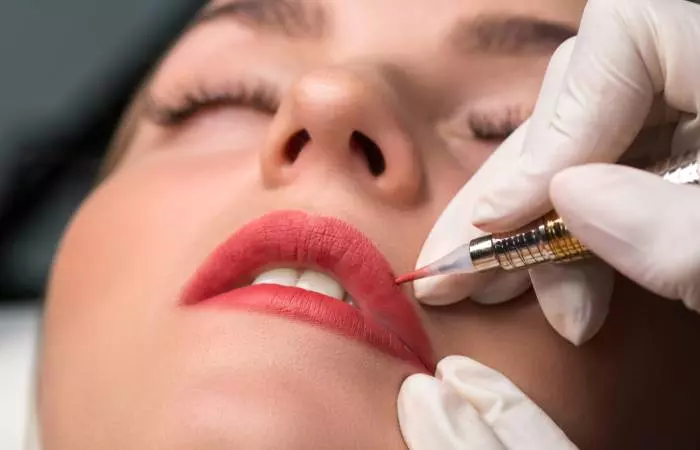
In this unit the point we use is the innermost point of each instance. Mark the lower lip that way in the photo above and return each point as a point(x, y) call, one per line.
point(318, 309)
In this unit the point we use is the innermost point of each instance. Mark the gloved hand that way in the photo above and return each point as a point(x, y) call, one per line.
point(470, 406)
point(633, 63)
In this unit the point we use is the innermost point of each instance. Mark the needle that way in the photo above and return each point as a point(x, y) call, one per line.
point(457, 261)
point(415, 275)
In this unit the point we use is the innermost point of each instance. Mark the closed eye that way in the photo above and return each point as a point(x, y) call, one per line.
point(259, 97)
point(496, 126)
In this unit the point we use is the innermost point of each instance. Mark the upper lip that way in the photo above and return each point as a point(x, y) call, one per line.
point(294, 238)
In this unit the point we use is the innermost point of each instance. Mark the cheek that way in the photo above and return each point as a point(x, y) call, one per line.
point(133, 244)
point(224, 131)
point(135, 228)
point(475, 157)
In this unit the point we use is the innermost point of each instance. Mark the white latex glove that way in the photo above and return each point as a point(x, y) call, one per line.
point(468, 406)
point(454, 227)
point(634, 62)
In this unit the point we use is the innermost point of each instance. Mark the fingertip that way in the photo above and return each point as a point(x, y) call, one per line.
point(431, 416)
point(424, 290)
point(571, 189)
point(503, 210)
point(565, 48)
point(417, 393)
point(418, 382)
point(574, 297)
point(436, 291)
point(507, 287)
point(443, 290)
point(484, 214)
point(580, 177)
point(586, 193)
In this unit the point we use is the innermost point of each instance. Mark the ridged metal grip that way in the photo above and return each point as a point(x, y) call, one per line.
point(549, 240)
point(544, 240)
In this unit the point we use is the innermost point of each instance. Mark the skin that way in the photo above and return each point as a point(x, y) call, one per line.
point(123, 366)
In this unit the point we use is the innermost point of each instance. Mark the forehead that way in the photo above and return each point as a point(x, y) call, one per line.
point(398, 21)
point(413, 27)
point(401, 18)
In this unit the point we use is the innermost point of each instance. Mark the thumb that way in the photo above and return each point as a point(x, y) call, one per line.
point(642, 225)
point(432, 415)
point(471, 406)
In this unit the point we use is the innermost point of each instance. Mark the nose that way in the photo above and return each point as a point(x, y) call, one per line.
point(346, 123)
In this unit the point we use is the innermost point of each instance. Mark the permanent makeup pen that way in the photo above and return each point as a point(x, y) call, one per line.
point(542, 241)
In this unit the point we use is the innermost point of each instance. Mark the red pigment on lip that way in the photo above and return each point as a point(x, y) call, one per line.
point(301, 240)
point(317, 309)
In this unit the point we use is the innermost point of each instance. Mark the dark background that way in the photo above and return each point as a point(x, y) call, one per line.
point(67, 70)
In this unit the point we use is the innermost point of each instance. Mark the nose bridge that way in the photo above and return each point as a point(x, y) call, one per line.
point(344, 117)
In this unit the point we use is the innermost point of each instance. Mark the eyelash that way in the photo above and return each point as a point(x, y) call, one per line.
point(496, 127)
point(261, 97)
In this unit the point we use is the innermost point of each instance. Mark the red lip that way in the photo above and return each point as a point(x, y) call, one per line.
point(384, 317)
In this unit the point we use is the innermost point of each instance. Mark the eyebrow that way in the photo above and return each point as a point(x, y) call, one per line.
point(292, 18)
point(509, 35)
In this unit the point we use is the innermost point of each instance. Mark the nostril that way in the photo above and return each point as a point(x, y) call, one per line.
point(370, 150)
point(295, 144)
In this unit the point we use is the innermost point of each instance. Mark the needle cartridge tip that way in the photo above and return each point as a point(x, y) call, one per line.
point(412, 276)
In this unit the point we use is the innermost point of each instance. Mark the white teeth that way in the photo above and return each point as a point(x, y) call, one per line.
point(310, 280)
point(321, 283)
point(283, 277)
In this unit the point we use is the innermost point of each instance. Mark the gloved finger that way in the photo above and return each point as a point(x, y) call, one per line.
point(644, 226)
point(506, 287)
point(517, 421)
point(454, 228)
point(574, 297)
point(433, 416)
point(513, 418)
point(625, 53)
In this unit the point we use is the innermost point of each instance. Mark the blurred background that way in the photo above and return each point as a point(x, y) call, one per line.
point(67, 70)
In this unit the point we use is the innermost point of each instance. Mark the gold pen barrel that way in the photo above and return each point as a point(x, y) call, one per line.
point(544, 240)
point(549, 240)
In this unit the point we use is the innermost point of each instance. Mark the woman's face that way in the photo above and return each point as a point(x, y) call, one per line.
point(371, 112)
